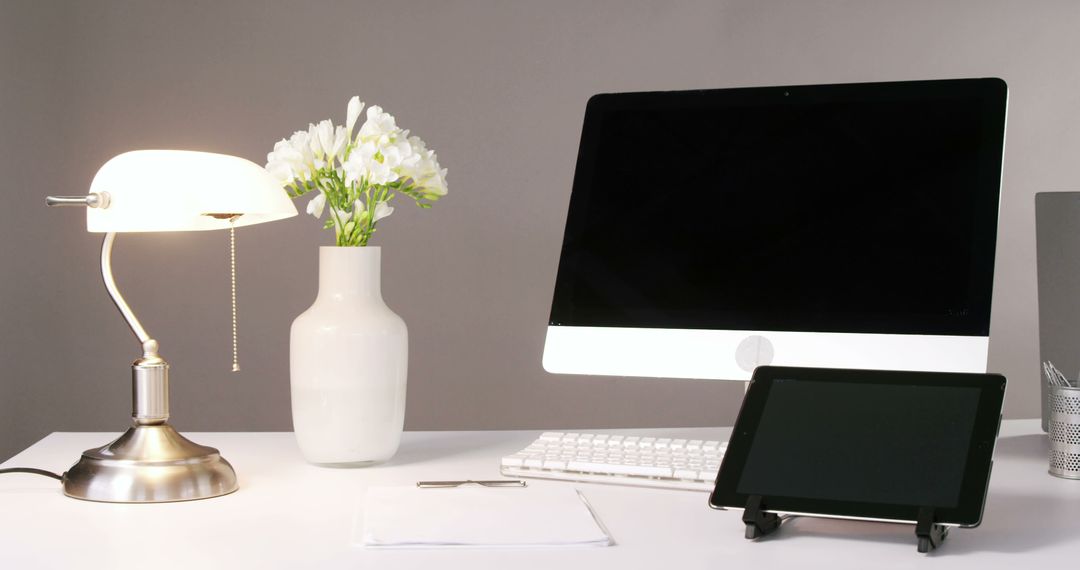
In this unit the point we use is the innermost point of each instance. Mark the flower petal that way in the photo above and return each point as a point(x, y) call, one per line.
point(316, 205)
point(352, 112)
point(382, 210)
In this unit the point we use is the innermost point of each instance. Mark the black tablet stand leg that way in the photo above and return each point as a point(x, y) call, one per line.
point(758, 522)
point(930, 534)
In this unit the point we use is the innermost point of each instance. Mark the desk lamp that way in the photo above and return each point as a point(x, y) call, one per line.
point(158, 191)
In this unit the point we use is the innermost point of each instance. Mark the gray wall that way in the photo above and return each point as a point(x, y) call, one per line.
point(498, 88)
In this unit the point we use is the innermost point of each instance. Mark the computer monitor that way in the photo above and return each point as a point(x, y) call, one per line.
point(845, 226)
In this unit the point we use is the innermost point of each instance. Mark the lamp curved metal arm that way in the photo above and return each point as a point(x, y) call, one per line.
point(103, 200)
point(149, 344)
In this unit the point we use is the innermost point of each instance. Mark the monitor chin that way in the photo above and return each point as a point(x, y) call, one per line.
point(733, 354)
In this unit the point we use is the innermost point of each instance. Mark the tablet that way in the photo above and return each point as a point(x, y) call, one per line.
point(864, 444)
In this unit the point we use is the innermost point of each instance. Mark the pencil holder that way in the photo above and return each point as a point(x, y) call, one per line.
point(1063, 429)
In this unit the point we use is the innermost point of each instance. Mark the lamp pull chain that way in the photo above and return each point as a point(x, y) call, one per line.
point(232, 272)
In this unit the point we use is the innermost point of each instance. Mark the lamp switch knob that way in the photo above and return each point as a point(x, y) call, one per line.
point(92, 200)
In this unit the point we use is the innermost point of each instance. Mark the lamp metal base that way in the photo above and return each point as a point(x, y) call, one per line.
point(150, 464)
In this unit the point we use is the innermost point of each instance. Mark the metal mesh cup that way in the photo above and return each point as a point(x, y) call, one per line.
point(1063, 428)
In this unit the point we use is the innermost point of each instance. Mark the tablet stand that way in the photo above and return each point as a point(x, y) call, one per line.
point(930, 534)
point(760, 523)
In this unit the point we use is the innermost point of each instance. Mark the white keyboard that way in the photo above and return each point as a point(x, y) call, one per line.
point(621, 460)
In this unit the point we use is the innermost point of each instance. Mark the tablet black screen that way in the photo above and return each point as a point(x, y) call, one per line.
point(855, 442)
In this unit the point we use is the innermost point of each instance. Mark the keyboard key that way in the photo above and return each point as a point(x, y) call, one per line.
point(551, 436)
point(516, 460)
point(642, 470)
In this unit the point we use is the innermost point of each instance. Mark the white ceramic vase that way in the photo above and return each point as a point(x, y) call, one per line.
point(348, 364)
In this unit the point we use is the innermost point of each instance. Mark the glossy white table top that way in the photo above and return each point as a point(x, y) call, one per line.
point(288, 514)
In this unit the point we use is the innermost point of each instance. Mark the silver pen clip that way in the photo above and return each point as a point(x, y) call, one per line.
point(447, 484)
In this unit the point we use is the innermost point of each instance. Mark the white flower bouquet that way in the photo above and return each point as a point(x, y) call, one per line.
point(357, 176)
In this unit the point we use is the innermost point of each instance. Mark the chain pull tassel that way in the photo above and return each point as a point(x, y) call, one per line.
point(232, 272)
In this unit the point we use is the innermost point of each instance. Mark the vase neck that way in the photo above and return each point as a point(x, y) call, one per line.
point(349, 273)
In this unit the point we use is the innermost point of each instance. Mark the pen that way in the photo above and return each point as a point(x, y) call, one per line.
point(496, 483)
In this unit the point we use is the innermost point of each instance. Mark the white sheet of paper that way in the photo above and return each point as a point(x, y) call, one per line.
point(412, 517)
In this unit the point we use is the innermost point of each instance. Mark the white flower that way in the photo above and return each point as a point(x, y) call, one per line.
point(435, 186)
point(326, 142)
point(400, 156)
point(316, 205)
point(353, 167)
point(317, 133)
point(382, 210)
point(379, 128)
point(280, 171)
point(390, 160)
point(379, 173)
point(417, 144)
point(284, 152)
point(290, 158)
point(300, 141)
point(352, 112)
point(366, 161)
point(343, 215)
point(427, 175)
point(341, 138)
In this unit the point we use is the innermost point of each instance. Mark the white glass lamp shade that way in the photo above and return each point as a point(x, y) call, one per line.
point(181, 190)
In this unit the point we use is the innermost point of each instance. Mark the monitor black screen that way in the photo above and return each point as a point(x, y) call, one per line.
point(866, 208)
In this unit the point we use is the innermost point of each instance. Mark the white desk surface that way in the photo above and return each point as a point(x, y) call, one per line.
point(288, 514)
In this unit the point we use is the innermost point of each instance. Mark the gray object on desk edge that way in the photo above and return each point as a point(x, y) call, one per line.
point(1057, 244)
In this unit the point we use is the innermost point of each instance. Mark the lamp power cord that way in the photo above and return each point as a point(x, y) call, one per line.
point(32, 471)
